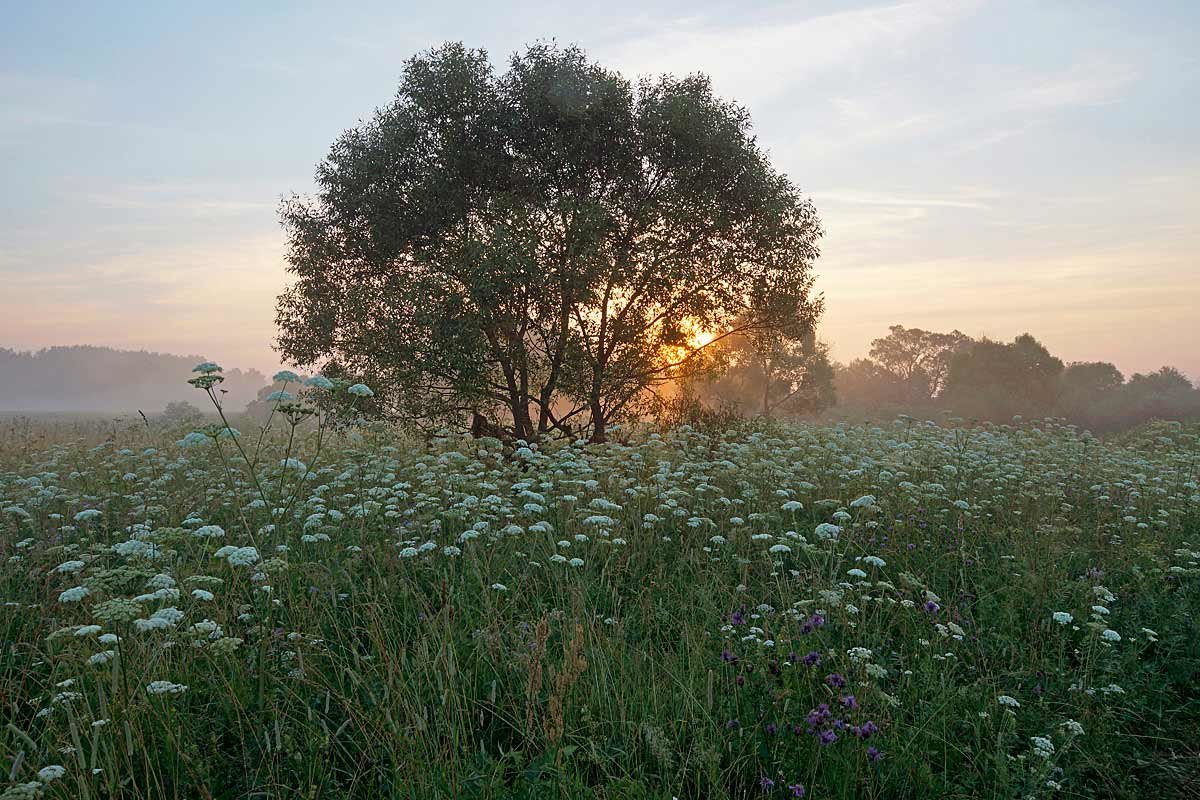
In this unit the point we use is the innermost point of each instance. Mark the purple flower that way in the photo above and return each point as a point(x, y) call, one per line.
point(792, 657)
point(766, 783)
point(772, 729)
point(738, 617)
point(797, 789)
point(728, 657)
point(732, 724)
point(867, 729)
point(835, 680)
point(873, 753)
point(932, 607)
point(813, 659)
point(827, 737)
point(850, 701)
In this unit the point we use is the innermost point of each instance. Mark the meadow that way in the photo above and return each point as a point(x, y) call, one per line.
point(911, 610)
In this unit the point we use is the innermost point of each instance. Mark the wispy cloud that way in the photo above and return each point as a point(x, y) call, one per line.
point(1091, 82)
point(764, 57)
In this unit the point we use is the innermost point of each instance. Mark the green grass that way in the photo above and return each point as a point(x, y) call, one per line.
point(352, 662)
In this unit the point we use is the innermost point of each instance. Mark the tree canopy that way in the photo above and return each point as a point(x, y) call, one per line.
point(543, 246)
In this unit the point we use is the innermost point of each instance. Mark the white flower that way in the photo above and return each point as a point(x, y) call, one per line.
point(51, 773)
point(1006, 700)
point(779, 548)
point(86, 514)
point(74, 594)
point(319, 382)
point(792, 505)
point(576, 562)
point(193, 439)
point(1109, 635)
point(827, 530)
point(856, 573)
point(209, 532)
point(243, 557)
point(203, 595)
point(88, 630)
point(451, 550)
point(865, 501)
point(103, 657)
point(1062, 618)
point(1073, 727)
point(207, 368)
point(360, 390)
point(499, 587)
point(1042, 746)
point(874, 561)
point(285, 376)
point(165, 687)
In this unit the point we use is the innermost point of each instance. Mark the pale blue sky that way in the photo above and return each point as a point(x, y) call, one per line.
point(989, 166)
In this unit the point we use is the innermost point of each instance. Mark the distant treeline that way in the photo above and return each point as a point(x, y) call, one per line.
point(925, 372)
point(86, 378)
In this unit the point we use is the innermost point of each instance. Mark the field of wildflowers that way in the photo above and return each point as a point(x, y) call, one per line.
point(775, 610)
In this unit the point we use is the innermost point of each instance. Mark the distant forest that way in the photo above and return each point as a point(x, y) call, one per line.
point(924, 372)
point(86, 378)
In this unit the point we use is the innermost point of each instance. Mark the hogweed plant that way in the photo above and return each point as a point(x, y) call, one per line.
point(776, 610)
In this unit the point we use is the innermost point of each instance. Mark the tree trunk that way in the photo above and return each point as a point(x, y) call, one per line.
point(766, 397)
point(599, 430)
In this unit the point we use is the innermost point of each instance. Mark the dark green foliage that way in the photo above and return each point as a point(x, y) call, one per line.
point(531, 247)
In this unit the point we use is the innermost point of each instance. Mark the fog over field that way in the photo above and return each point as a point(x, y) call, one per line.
point(626, 401)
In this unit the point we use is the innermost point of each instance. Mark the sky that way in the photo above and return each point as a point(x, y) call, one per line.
point(996, 167)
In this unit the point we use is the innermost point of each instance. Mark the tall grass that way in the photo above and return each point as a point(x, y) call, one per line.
point(673, 617)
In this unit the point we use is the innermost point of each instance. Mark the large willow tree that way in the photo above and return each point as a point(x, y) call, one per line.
point(541, 248)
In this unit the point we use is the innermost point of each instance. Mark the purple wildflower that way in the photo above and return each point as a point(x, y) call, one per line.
point(797, 789)
point(766, 783)
point(867, 730)
point(850, 701)
point(835, 680)
point(813, 659)
point(873, 753)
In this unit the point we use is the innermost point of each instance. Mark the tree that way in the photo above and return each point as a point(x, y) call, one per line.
point(919, 359)
point(1089, 393)
point(1091, 378)
point(181, 412)
point(539, 245)
point(768, 373)
point(866, 384)
point(1165, 394)
point(993, 380)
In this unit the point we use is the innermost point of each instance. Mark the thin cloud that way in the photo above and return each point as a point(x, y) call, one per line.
point(767, 57)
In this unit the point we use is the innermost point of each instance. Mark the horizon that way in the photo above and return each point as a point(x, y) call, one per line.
point(1045, 182)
